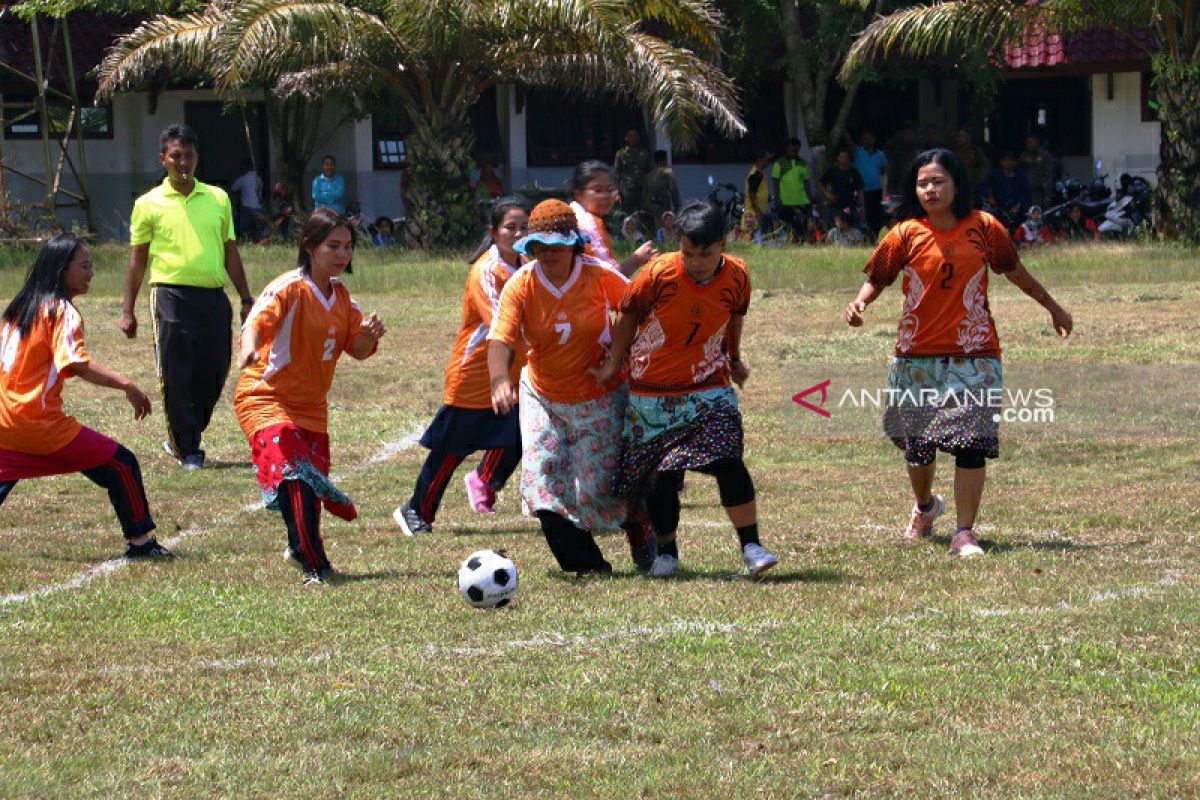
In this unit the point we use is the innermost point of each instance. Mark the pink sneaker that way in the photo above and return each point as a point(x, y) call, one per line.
point(921, 524)
point(481, 496)
point(965, 544)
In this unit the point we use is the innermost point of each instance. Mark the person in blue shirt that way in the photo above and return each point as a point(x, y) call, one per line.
point(329, 188)
point(871, 163)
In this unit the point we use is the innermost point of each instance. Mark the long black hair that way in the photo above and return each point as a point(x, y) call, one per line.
point(500, 207)
point(910, 204)
point(44, 283)
point(317, 227)
point(585, 171)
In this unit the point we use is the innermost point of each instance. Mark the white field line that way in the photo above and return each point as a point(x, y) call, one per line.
point(101, 570)
point(112, 565)
point(552, 640)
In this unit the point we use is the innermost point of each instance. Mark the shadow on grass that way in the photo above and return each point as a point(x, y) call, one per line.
point(714, 576)
point(1044, 545)
point(378, 575)
point(227, 465)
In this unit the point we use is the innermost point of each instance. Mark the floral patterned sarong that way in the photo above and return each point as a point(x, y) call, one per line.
point(569, 454)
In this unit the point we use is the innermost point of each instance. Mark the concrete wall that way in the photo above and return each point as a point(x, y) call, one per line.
point(1120, 140)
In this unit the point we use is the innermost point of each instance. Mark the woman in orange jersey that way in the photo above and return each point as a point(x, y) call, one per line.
point(594, 195)
point(291, 341)
point(466, 422)
point(945, 385)
point(41, 346)
point(559, 305)
point(683, 316)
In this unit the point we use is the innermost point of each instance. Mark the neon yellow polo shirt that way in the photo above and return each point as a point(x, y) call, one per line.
point(186, 233)
point(792, 174)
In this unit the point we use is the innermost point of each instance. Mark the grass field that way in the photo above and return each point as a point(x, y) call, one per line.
point(1061, 664)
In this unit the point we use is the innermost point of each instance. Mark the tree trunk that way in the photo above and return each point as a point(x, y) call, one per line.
point(1177, 87)
point(441, 208)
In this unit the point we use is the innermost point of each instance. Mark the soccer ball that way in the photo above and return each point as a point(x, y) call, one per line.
point(487, 579)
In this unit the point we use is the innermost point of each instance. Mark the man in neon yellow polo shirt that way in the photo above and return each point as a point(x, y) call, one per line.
point(183, 230)
point(791, 175)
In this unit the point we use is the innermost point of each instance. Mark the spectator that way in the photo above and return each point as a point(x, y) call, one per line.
point(666, 229)
point(872, 167)
point(842, 183)
point(489, 184)
point(661, 189)
point(756, 190)
point(976, 162)
point(1039, 168)
point(1005, 192)
point(843, 233)
point(385, 233)
point(1032, 232)
point(931, 138)
point(281, 217)
point(903, 148)
point(791, 176)
point(630, 168)
point(1077, 227)
point(248, 189)
point(329, 188)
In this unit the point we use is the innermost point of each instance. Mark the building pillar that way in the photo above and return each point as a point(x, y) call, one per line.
point(511, 110)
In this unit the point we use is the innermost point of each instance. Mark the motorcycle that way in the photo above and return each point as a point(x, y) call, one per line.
point(727, 198)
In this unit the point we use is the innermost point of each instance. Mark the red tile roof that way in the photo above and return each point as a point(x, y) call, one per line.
point(1088, 51)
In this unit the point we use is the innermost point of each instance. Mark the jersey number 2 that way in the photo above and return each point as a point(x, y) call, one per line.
point(328, 354)
point(564, 331)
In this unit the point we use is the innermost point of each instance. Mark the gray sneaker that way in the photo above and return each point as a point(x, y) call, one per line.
point(757, 559)
point(664, 566)
point(410, 521)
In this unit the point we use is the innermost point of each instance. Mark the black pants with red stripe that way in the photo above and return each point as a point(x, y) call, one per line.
point(301, 509)
point(495, 469)
point(122, 478)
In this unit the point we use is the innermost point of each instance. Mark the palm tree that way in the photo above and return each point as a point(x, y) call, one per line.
point(435, 58)
point(954, 27)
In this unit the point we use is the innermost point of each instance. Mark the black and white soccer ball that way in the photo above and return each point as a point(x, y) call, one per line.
point(487, 579)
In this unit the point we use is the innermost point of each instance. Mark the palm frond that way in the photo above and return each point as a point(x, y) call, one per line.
point(267, 38)
point(162, 46)
point(942, 29)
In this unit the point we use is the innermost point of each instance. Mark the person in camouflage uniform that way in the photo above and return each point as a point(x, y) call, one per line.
point(630, 168)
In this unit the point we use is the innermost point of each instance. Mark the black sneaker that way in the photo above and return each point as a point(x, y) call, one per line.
point(314, 577)
point(410, 521)
point(193, 462)
point(150, 549)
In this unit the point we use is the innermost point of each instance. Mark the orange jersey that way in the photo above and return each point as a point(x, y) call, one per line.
point(600, 247)
point(680, 343)
point(34, 367)
point(946, 310)
point(467, 384)
point(568, 328)
point(301, 335)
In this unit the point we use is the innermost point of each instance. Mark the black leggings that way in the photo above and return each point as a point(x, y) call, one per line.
point(574, 549)
point(968, 458)
point(122, 477)
point(301, 509)
point(662, 504)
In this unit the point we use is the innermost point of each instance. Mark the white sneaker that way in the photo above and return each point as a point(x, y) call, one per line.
point(665, 565)
point(921, 523)
point(757, 559)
